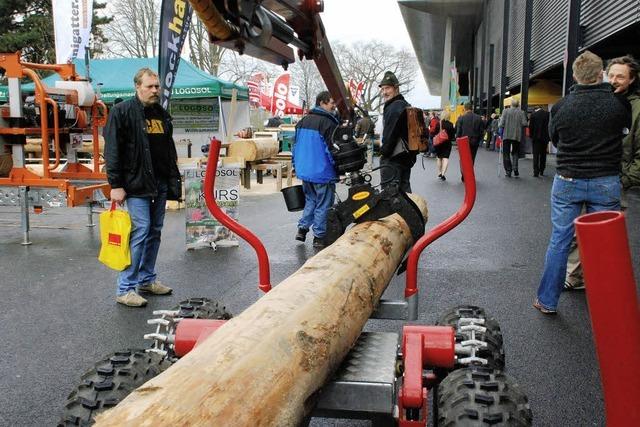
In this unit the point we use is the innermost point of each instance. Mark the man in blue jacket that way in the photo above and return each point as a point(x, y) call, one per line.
point(315, 167)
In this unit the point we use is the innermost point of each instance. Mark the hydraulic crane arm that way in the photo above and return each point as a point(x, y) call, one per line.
point(268, 29)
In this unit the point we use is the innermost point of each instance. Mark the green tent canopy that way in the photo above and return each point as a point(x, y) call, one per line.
point(115, 79)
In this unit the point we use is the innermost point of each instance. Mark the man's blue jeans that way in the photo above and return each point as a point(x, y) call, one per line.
point(147, 218)
point(568, 195)
point(318, 198)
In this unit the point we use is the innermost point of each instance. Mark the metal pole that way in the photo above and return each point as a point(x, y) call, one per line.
point(90, 222)
point(483, 56)
point(526, 57)
point(505, 48)
point(490, 82)
point(571, 49)
point(446, 64)
point(24, 214)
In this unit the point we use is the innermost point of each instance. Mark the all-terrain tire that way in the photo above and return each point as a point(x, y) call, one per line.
point(109, 382)
point(479, 396)
point(202, 308)
point(494, 351)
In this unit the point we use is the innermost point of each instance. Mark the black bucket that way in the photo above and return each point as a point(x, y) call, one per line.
point(294, 198)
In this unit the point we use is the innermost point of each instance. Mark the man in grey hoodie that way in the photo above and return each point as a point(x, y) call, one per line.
point(512, 121)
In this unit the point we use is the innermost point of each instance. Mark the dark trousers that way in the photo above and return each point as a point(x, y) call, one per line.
point(510, 154)
point(539, 156)
point(391, 171)
point(474, 150)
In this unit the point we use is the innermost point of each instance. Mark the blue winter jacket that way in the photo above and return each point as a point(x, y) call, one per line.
point(311, 157)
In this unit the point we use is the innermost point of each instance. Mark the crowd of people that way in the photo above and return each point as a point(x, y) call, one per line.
point(595, 129)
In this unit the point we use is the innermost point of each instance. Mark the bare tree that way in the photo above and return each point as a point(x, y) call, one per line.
point(238, 68)
point(305, 74)
point(368, 61)
point(204, 55)
point(134, 29)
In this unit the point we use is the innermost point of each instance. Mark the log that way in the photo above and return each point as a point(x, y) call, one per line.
point(253, 149)
point(263, 367)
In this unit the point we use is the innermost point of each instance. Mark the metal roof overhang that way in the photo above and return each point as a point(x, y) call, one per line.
point(426, 20)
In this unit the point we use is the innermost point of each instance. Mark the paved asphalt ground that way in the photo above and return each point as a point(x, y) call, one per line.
point(58, 315)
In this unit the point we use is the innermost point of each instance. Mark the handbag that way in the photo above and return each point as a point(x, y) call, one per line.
point(115, 229)
point(441, 137)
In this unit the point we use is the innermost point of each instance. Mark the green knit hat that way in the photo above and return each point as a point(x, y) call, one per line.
point(389, 79)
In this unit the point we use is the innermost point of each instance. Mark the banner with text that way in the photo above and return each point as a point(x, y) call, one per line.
point(196, 115)
point(203, 230)
point(175, 19)
point(72, 28)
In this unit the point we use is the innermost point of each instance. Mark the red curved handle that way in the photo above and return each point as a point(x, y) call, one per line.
point(230, 223)
point(466, 164)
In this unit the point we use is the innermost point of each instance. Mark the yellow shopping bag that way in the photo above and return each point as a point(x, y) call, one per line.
point(115, 228)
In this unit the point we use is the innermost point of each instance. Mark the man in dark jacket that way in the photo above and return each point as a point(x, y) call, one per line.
point(539, 129)
point(314, 165)
point(396, 160)
point(470, 124)
point(587, 127)
point(141, 162)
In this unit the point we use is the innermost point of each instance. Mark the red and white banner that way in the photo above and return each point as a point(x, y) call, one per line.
point(356, 89)
point(277, 100)
point(72, 28)
point(280, 94)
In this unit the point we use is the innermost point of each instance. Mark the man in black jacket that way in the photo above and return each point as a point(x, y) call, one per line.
point(470, 124)
point(587, 127)
point(539, 129)
point(396, 160)
point(142, 170)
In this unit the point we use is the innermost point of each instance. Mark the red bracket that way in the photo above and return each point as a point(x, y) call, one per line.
point(466, 164)
point(422, 346)
point(230, 223)
point(191, 332)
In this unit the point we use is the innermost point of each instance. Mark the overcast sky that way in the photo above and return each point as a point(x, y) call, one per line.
point(354, 20)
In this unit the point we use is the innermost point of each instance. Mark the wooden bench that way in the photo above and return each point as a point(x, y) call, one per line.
point(277, 168)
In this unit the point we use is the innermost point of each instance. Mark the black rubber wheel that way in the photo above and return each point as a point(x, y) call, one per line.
point(494, 351)
point(479, 396)
point(202, 308)
point(109, 382)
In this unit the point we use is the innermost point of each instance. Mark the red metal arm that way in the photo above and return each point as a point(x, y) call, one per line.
point(231, 224)
point(447, 225)
point(615, 317)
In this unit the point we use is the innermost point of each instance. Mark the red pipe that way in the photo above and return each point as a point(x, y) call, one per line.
point(231, 224)
point(615, 317)
point(466, 164)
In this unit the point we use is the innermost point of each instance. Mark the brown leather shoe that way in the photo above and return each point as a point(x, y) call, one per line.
point(155, 288)
point(131, 299)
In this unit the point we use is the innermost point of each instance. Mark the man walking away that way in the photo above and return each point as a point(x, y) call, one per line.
point(396, 160)
point(141, 162)
point(471, 125)
point(314, 165)
point(587, 127)
point(512, 121)
point(539, 129)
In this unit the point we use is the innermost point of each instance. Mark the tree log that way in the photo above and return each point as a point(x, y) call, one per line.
point(261, 367)
point(253, 149)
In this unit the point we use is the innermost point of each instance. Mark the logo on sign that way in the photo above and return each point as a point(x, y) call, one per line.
point(115, 239)
point(280, 94)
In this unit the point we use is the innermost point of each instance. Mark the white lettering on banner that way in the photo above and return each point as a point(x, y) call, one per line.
point(281, 92)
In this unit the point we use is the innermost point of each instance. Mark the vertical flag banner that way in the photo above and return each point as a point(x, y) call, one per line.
point(175, 19)
point(280, 94)
point(72, 28)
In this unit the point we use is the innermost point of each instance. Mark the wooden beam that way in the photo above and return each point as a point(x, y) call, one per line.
point(262, 367)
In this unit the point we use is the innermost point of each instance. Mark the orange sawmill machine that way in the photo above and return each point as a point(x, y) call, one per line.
point(55, 121)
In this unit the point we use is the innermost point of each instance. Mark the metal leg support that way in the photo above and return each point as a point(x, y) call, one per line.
point(24, 214)
point(90, 212)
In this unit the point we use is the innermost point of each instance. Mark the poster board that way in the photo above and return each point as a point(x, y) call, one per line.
point(202, 229)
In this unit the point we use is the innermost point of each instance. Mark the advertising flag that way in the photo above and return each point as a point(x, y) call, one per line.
point(280, 94)
point(72, 28)
point(175, 19)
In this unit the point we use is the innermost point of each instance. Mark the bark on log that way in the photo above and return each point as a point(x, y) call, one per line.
point(262, 366)
point(253, 149)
